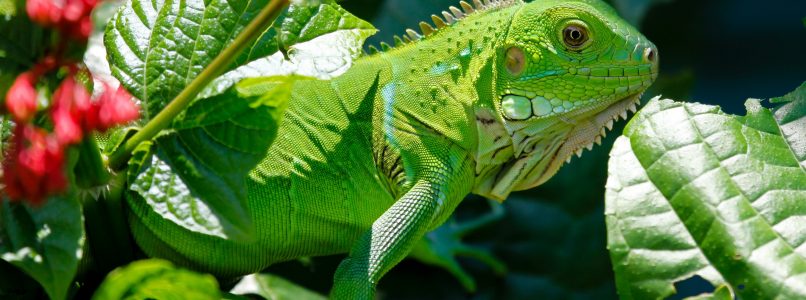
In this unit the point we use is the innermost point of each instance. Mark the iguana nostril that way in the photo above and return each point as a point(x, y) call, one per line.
point(650, 54)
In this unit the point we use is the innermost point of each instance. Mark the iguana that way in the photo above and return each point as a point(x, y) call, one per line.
point(493, 100)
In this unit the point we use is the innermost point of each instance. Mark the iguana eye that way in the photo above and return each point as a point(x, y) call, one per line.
point(515, 60)
point(575, 36)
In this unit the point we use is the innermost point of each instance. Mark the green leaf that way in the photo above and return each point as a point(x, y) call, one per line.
point(322, 41)
point(8, 8)
point(21, 43)
point(791, 116)
point(273, 287)
point(156, 48)
point(195, 175)
point(695, 191)
point(44, 242)
point(156, 279)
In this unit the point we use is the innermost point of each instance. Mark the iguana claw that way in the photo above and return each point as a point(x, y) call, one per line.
point(441, 246)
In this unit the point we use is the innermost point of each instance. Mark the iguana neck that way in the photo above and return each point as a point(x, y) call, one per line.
point(440, 81)
point(452, 58)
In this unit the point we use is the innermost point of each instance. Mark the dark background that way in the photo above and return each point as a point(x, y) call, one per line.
point(553, 237)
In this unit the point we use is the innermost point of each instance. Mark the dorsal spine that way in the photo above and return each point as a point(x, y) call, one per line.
point(449, 18)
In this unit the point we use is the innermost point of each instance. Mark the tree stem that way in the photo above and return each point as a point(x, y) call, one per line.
point(162, 120)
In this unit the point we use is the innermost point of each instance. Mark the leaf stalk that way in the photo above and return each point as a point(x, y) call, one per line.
point(163, 119)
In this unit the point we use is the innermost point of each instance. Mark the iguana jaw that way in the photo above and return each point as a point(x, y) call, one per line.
point(543, 155)
point(587, 132)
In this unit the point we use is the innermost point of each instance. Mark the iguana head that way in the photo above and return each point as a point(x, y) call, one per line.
point(565, 71)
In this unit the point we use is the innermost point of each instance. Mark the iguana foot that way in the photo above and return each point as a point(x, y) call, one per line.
point(441, 247)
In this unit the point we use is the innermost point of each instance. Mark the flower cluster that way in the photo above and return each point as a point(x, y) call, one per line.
point(71, 17)
point(33, 166)
point(34, 163)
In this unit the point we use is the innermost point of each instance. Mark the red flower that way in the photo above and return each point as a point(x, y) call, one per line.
point(74, 10)
point(74, 114)
point(34, 166)
point(73, 17)
point(72, 111)
point(44, 12)
point(21, 97)
point(115, 108)
point(81, 29)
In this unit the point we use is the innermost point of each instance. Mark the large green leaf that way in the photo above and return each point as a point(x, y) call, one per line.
point(320, 41)
point(45, 242)
point(273, 287)
point(157, 47)
point(156, 279)
point(214, 144)
point(694, 191)
point(791, 116)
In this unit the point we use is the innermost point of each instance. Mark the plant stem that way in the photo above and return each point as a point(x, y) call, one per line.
point(162, 120)
point(90, 170)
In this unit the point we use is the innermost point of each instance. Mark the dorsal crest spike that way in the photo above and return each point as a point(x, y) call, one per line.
point(398, 40)
point(372, 49)
point(426, 29)
point(466, 7)
point(413, 34)
point(438, 22)
point(457, 13)
point(449, 17)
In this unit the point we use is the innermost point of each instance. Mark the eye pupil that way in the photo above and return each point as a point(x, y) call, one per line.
point(575, 36)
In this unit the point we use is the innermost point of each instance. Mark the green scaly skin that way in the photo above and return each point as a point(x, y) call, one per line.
point(371, 161)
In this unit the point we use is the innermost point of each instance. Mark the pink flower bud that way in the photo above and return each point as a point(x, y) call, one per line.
point(66, 128)
point(44, 12)
point(34, 166)
point(74, 10)
point(71, 106)
point(21, 98)
point(116, 108)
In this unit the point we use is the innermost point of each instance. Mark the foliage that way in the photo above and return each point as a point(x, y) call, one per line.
point(694, 191)
point(156, 279)
point(666, 222)
point(46, 242)
point(273, 287)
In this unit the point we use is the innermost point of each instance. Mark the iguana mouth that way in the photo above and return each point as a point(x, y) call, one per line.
point(590, 130)
point(590, 125)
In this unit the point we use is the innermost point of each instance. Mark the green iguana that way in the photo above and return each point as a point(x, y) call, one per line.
point(493, 100)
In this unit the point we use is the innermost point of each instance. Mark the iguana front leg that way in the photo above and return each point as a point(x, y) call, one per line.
point(441, 182)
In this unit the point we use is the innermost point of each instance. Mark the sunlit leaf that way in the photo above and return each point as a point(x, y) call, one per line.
point(45, 242)
point(156, 279)
point(322, 41)
point(695, 191)
point(272, 287)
